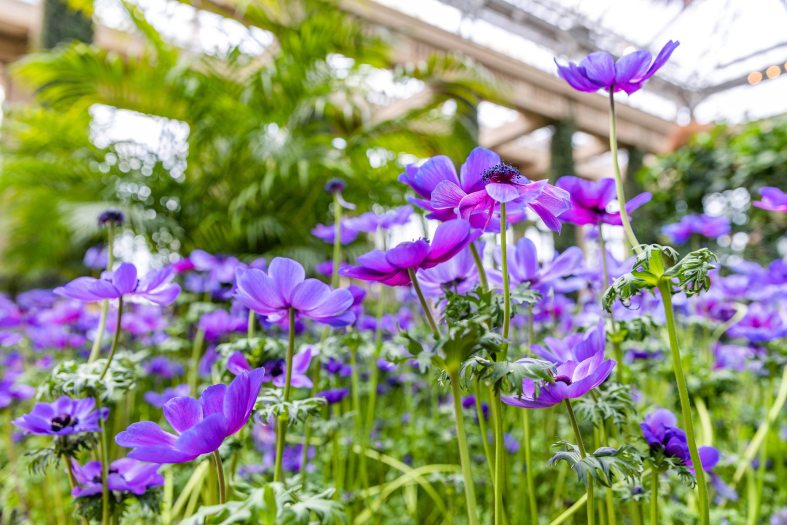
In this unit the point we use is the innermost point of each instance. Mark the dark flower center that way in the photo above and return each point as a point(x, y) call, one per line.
point(277, 368)
point(502, 173)
point(563, 379)
point(62, 421)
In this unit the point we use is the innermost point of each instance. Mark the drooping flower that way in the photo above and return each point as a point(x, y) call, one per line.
point(392, 267)
point(704, 225)
point(156, 287)
point(285, 287)
point(201, 425)
point(111, 217)
point(125, 476)
point(591, 199)
point(63, 417)
point(660, 430)
point(573, 379)
point(773, 199)
point(600, 71)
point(460, 275)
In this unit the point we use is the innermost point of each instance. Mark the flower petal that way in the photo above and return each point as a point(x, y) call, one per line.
point(182, 413)
point(212, 399)
point(408, 254)
point(125, 278)
point(309, 294)
point(599, 67)
point(337, 302)
point(502, 192)
point(160, 454)
point(449, 239)
point(241, 397)
point(434, 171)
point(286, 275)
point(144, 434)
point(631, 67)
point(447, 195)
point(257, 291)
point(477, 162)
point(204, 437)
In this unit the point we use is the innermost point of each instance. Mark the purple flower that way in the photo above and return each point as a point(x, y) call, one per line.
point(218, 323)
point(576, 347)
point(201, 424)
point(760, 324)
point(220, 268)
point(11, 391)
point(335, 367)
point(590, 200)
point(370, 222)
point(704, 225)
point(523, 267)
point(163, 367)
point(63, 417)
point(660, 430)
point(284, 287)
point(392, 267)
point(600, 71)
point(155, 286)
point(773, 199)
point(125, 476)
point(334, 395)
point(96, 257)
point(111, 217)
point(327, 233)
point(158, 400)
point(276, 371)
point(459, 275)
point(573, 379)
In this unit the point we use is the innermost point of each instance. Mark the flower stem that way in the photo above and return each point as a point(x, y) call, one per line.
point(583, 453)
point(251, 324)
point(281, 420)
point(665, 288)
point(613, 147)
point(506, 277)
point(497, 421)
point(220, 476)
point(621, 367)
point(115, 339)
point(337, 239)
point(196, 352)
point(424, 304)
point(654, 498)
point(464, 455)
point(482, 428)
point(480, 266)
point(102, 326)
point(531, 487)
point(105, 513)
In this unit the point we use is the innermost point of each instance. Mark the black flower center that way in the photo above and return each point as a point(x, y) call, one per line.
point(502, 172)
point(277, 368)
point(62, 421)
point(563, 379)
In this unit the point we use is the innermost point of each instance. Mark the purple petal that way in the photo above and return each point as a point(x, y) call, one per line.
point(204, 437)
point(240, 399)
point(477, 162)
point(286, 275)
point(408, 254)
point(447, 195)
point(309, 294)
point(449, 239)
point(161, 454)
point(125, 278)
point(599, 67)
point(502, 192)
point(144, 434)
point(709, 457)
point(336, 303)
point(661, 58)
point(631, 67)
point(257, 291)
point(182, 413)
point(212, 399)
point(434, 171)
point(575, 78)
point(237, 363)
point(88, 289)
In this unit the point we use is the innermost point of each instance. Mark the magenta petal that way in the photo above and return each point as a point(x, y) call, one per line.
point(477, 162)
point(241, 397)
point(375, 260)
point(212, 400)
point(639, 200)
point(449, 239)
point(661, 58)
point(161, 454)
point(125, 278)
point(479, 201)
point(502, 192)
point(204, 437)
point(447, 195)
point(182, 413)
point(237, 363)
point(408, 254)
point(434, 171)
point(144, 434)
point(309, 294)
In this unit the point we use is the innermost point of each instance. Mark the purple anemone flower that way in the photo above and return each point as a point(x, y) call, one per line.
point(523, 267)
point(591, 199)
point(392, 267)
point(158, 400)
point(155, 286)
point(576, 347)
point(600, 71)
point(11, 391)
point(334, 395)
point(460, 275)
point(96, 257)
point(162, 366)
point(704, 225)
point(760, 324)
point(285, 287)
point(370, 222)
point(773, 199)
point(327, 232)
point(573, 379)
point(660, 430)
point(275, 371)
point(219, 323)
point(201, 424)
point(63, 417)
point(126, 476)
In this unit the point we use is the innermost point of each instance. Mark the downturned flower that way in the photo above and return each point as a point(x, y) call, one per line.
point(392, 267)
point(126, 476)
point(600, 71)
point(660, 430)
point(590, 201)
point(156, 287)
point(201, 425)
point(285, 287)
point(64, 417)
point(573, 379)
point(704, 225)
point(773, 199)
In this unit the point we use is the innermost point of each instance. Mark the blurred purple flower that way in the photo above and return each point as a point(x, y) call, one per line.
point(155, 286)
point(600, 71)
point(159, 399)
point(460, 275)
point(275, 371)
point(11, 391)
point(762, 323)
point(660, 430)
point(704, 225)
point(162, 366)
point(201, 424)
point(576, 347)
point(523, 267)
point(63, 417)
point(591, 199)
point(327, 233)
point(126, 475)
point(773, 199)
point(334, 395)
point(219, 323)
point(370, 222)
point(96, 257)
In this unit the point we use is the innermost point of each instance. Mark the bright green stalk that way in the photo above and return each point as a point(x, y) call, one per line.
point(654, 498)
point(196, 353)
point(482, 429)
point(464, 455)
point(337, 239)
point(105, 511)
point(685, 406)
point(480, 266)
point(506, 277)
point(281, 420)
point(220, 477)
point(115, 339)
point(613, 147)
point(497, 421)
point(358, 417)
point(583, 453)
point(531, 486)
point(621, 367)
point(102, 326)
point(251, 324)
point(424, 304)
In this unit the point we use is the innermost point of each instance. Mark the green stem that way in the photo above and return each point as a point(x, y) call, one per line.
point(654, 498)
point(613, 147)
point(506, 277)
point(251, 324)
point(665, 288)
point(531, 486)
point(281, 420)
point(424, 304)
point(617, 350)
point(497, 420)
point(217, 464)
point(105, 510)
point(464, 455)
point(115, 339)
point(358, 417)
point(482, 429)
point(337, 239)
point(480, 266)
point(196, 353)
point(583, 453)
point(102, 326)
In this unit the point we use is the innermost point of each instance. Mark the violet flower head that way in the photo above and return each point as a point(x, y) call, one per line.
point(591, 199)
point(158, 400)
point(660, 430)
point(392, 267)
point(162, 366)
point(460, 275)
point(125, 476)
point(111, 217)
point(156, 287)
point(201, 424)
point(576, 347)
point(762, 323)
point(11, 391)
point(573, 379)
point(334, 395)
point(276, 371)
point(600, 71)
point(96, 257)
point(285, 287)
point(704, 225)
point(523, 266)
point(370, 222)
point(219, 323)
point(63, 417)
point(772, 199)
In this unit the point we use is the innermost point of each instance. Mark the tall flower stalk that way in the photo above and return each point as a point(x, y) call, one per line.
point(282, 419)
point(582, 452)
point(613, 147)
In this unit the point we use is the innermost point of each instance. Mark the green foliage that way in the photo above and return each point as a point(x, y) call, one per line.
point(263, 136)
point(611, 402)
point(271, 404)
point(507, 376)
point(605, 465)
point(73, 379)
point(727, 165)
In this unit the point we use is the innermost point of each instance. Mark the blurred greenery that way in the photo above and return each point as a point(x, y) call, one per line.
point(262, 136)
point(721, 171)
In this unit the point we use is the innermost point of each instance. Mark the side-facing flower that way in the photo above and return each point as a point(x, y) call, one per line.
point(393, 267)
point(772, 199)
point(600, 71)
point(126, 476)
point(201, 425)
point(704, 225)
point(327, 232)
point(63, 417)
point(591, 199)
point(575, 347)
point(660, 430)
point(156, 287)
point(285, 287)
point(524, 268)
point(572, 380)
